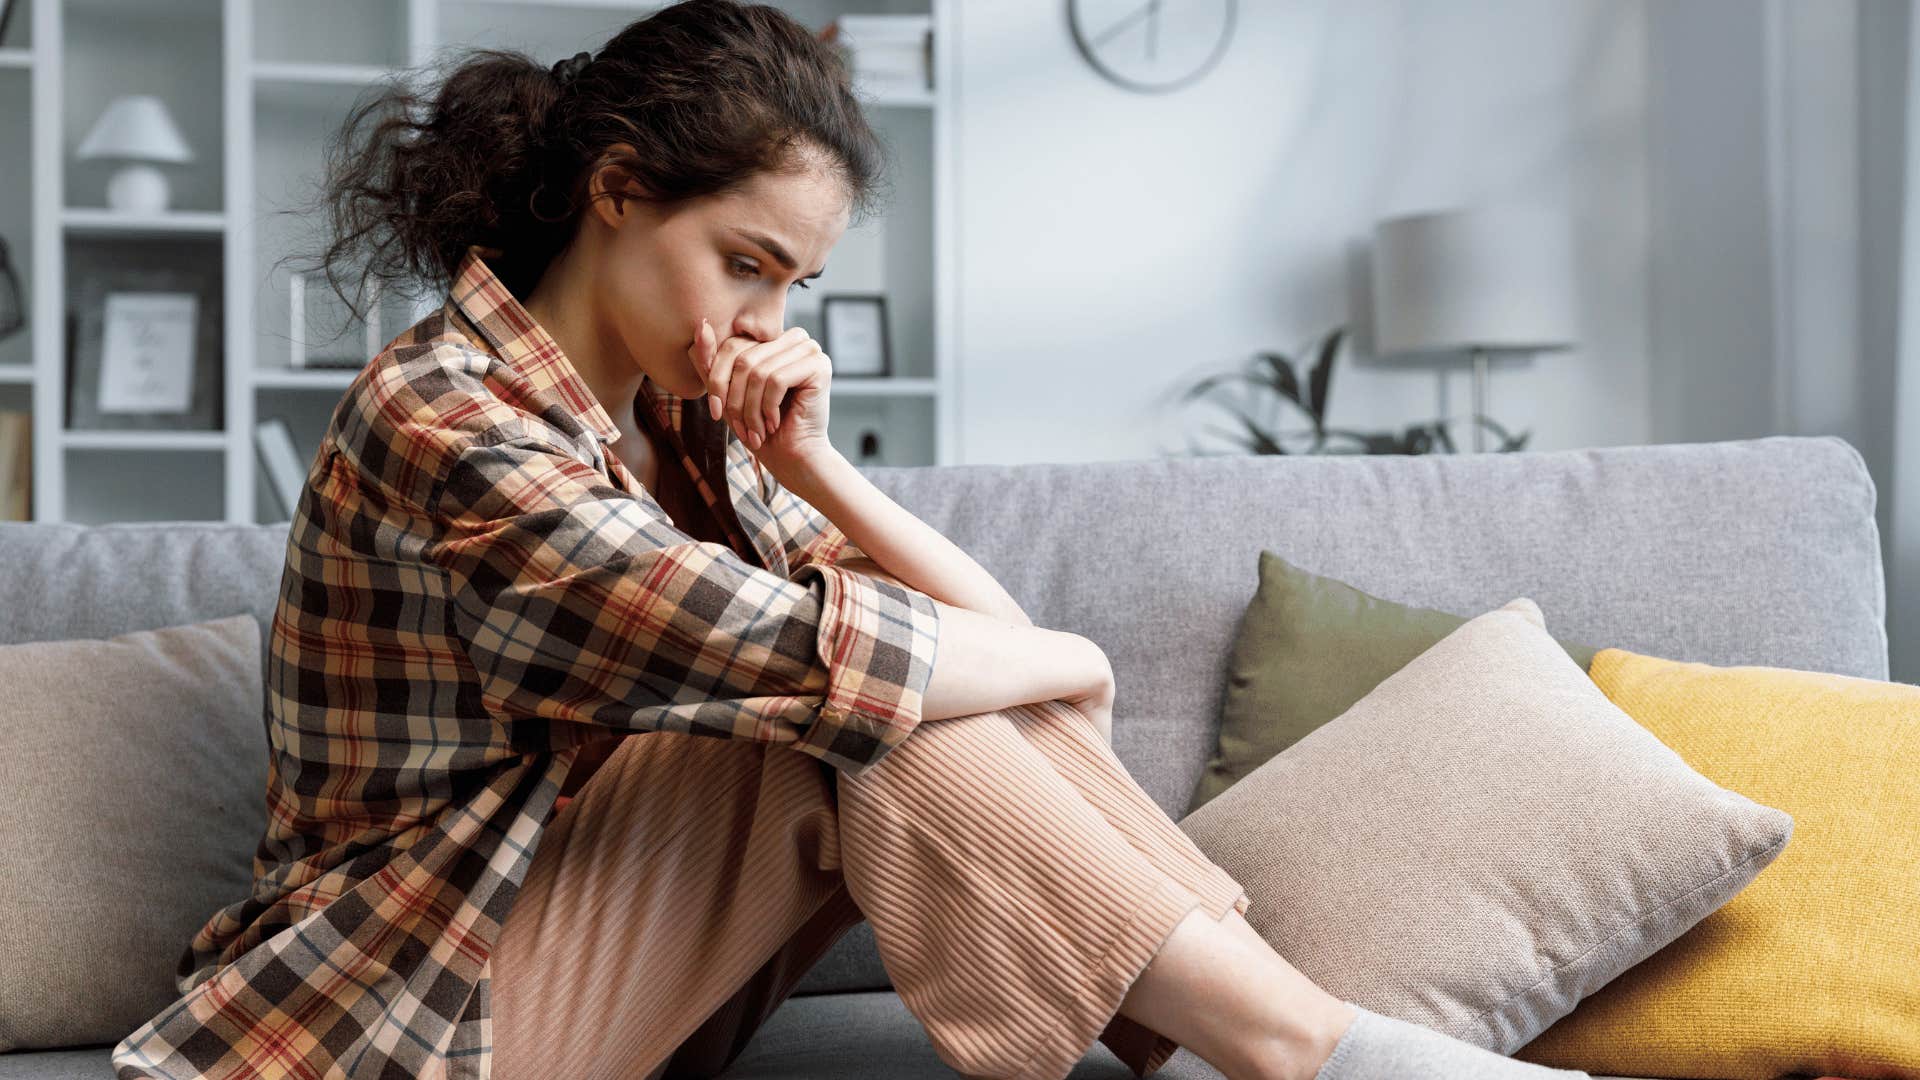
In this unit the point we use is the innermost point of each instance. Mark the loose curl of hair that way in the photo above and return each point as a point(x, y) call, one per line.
point(708, 93)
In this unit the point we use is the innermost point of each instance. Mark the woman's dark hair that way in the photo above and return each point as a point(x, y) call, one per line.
point(708, 93)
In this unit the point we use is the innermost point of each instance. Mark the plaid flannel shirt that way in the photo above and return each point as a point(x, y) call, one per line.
point(475, 587)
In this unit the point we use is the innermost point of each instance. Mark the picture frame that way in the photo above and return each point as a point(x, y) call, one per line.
point(147, 273)
point(853, 331)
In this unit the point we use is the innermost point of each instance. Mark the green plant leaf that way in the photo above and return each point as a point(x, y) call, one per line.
point(1319, 380)
point(1210, 382)
point(1258, 440)
point(1284, 380)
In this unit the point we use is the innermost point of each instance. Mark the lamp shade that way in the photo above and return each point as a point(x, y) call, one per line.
point(1497, 277)
point(136, 127)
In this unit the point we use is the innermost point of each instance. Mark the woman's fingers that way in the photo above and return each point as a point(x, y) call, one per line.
point(782, 372)
point(727, 356)
point(741, 366)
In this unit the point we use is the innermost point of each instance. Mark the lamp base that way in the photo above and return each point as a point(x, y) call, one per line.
point(138, 188)
point(1479, 399)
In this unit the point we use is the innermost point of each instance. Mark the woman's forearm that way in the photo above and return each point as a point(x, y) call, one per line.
point(902, 544)
point(983, 663)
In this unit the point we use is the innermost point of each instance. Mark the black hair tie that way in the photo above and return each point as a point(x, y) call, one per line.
point(569, 69)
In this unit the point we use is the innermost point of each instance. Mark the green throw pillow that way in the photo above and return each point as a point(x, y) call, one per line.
point(1308, 648)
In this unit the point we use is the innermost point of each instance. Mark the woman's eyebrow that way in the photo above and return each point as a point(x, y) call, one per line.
point(778, 252)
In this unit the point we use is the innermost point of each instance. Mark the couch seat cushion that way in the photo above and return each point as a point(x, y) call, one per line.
point(857, 1036)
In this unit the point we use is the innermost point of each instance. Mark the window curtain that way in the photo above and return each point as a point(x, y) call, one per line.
point(1903, 570)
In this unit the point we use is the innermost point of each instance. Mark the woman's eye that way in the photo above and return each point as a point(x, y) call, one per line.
point(747, 270)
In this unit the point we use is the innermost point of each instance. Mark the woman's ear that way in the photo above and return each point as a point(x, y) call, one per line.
point(613, 191)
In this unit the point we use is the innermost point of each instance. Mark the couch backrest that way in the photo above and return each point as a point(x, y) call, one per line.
point(1759, 551)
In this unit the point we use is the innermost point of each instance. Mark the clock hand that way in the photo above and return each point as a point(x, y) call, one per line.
point(1126, 22)
point(1153, 26)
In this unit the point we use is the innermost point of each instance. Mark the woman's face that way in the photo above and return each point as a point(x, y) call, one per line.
point(732, 259)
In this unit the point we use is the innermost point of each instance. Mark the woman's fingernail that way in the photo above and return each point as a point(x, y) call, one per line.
point(713, 406)
point(753, 439)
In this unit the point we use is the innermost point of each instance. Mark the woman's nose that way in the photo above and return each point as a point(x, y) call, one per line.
point(760, 329)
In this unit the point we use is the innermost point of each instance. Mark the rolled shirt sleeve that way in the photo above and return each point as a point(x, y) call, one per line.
point(580, 604)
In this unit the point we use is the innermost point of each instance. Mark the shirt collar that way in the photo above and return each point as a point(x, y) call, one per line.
point(521, 341)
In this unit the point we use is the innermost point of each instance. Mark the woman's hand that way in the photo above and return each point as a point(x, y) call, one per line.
point(749, 384)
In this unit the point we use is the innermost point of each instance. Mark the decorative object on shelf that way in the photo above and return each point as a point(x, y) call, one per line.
point(280, 462)
point(127, 337)
point(16, 466)
point(853, 330)
point(1489, 279)
point(13, 307)
point(146, 352)
point(887, 54)
point(6, 16)
point(300, 322)
point(1270, 378)
point(137, 129)
point(1138, 46)
point(870, 449)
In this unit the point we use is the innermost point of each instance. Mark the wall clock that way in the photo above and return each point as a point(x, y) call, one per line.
point(1151, 45)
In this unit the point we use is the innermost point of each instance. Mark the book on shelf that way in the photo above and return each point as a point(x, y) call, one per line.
point(280, 461)
point(300, 355)
point(887, 53)
point(16, 466)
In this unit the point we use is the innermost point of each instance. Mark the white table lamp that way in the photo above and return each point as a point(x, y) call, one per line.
point(1483, 280)
point(138, 129)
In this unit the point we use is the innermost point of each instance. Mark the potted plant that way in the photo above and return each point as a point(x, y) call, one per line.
point(1270, 378)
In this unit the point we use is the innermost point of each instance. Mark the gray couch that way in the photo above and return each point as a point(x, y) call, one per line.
point(1761, 551)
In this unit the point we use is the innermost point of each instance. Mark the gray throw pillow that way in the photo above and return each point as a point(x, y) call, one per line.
point(1482, 840)
point(133, 774)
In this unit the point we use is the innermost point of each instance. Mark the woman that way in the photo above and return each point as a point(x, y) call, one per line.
point(604, 695)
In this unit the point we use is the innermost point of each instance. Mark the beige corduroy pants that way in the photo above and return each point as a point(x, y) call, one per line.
point(1017, 880)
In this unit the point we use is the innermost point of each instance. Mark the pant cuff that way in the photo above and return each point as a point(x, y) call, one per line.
point(1134, 943)
point(1140, 1048)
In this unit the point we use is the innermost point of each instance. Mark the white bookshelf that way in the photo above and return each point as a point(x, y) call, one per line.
point(259, 86)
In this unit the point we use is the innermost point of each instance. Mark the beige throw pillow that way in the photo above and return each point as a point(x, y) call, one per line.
point(1483, 839)
point(133, 775)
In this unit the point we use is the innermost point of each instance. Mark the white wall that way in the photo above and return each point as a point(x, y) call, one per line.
point(1735, 170)
point(1114, 246)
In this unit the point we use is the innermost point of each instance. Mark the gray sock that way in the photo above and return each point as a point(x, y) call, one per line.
point(1380, 1047)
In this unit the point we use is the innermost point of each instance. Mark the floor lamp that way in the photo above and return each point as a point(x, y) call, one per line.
point(1483, 280)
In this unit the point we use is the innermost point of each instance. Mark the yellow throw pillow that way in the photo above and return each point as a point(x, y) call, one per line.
point(1815, 966)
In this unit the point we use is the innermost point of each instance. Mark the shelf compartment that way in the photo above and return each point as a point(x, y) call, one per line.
point(293, 85)
point(338, 33)
point(307, 416)
point(96, 268)
point(107, 484)
point(172, 49)
point(545, 31)
point(904, 426)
